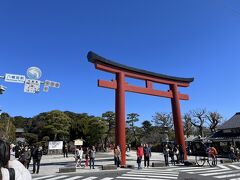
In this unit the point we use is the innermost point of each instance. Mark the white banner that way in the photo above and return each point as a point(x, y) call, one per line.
point(55, 145)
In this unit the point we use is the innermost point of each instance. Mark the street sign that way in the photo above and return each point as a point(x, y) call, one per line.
point(32, 86)
point(51, 84)
point(45, 89)
point(15, 78)
point(34, 73)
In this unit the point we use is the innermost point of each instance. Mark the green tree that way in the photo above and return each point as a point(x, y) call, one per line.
point(131, 119)
point(46, 138)
point(31, 138)
point(54, 124)
point(109, 118)
point(79, 125)
point(91, 129)
point(19, 122)
point(97, 131)
point(7, 128)
point(146, 125)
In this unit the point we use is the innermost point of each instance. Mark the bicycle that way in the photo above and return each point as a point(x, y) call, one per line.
point(200, 160)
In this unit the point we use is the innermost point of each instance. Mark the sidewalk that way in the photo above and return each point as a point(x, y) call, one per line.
point(50, 164)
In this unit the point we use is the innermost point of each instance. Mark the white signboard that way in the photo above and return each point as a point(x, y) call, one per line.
point(52, 84)
point(55, 145)
point(78, 142)
point(15, 78)
point(32, 86)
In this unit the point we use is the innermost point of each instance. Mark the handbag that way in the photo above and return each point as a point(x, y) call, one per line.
point(139, 159)
point(11, 173)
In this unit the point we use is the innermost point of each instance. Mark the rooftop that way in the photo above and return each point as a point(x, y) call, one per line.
point(233, 122)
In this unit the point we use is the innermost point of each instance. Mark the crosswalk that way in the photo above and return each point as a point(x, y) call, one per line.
point(65, 177)
point(226, 172)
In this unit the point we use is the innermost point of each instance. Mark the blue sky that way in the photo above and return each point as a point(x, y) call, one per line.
point(184, 38)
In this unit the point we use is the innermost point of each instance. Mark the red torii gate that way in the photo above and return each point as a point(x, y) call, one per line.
point(121, 87)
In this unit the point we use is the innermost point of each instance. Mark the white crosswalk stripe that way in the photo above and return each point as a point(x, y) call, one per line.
point(65, 177)
point(190, 170)
point(58, 177)
point(235, 179)
point(150, 174)
point(74, 178)
point(217, 173)
point(224, 167)
point(227, 176)
point(138, 178)
point(234, 166)
point(156, 173)
point(90, 178)
point(43, 177)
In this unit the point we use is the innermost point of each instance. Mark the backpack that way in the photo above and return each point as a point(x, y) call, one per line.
point(11, 173)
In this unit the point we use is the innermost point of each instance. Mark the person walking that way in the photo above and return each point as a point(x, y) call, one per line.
point(232, 153)
point(147, 155)
point(117, 156)
point(25, 157)
point(12, 152)
point(237, 154)
point(213, 154)
point(176, 152)
point(166, 153)
point(11, 169)
point(140, 154)
point(171, 155)
point(22, 156)
point(92, 155)
point(65, 150)
point(28, 155)
point(37, 155)
point(78, 156)
point(181, 153)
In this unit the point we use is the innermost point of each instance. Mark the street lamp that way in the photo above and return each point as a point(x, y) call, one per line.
point(165, 134)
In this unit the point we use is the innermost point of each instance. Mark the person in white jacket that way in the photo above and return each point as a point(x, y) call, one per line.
point(78, 157)
point(21, 173)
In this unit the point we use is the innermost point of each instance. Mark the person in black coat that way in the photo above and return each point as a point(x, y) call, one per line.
point(37, 155)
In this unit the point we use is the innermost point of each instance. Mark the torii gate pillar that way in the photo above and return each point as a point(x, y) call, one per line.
point(121, 87)
point(120, 134)
point(177, 119)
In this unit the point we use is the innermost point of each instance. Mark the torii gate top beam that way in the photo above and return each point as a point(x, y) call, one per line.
point(110, 66)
